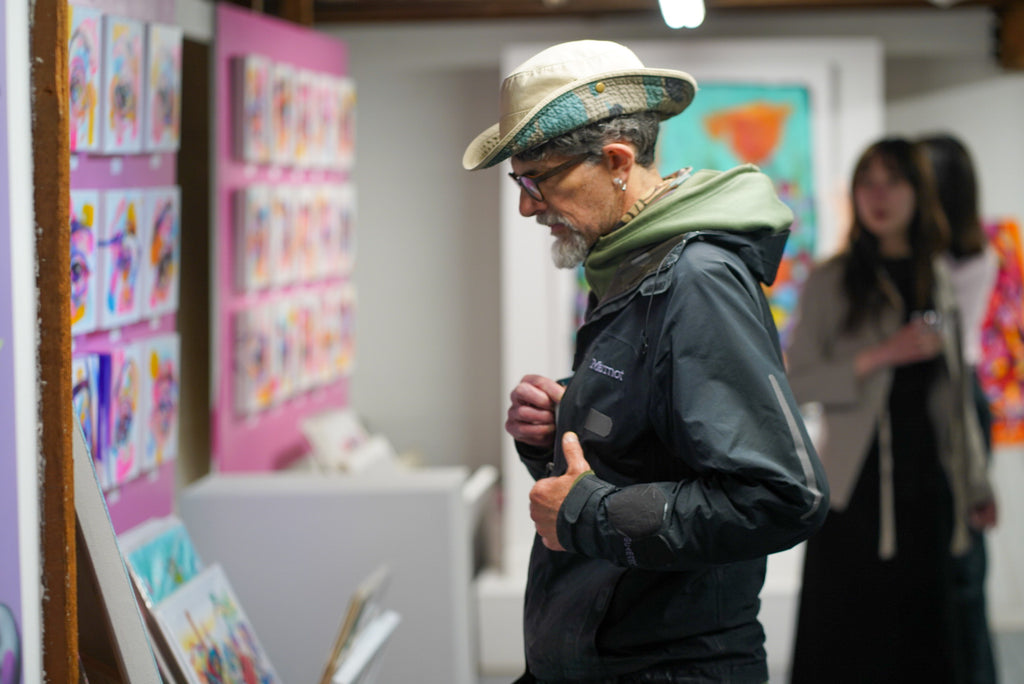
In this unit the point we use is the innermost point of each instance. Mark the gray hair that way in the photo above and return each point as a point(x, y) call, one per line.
point(640, 130)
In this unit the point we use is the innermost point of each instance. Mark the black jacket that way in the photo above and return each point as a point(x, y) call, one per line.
point(702, 467)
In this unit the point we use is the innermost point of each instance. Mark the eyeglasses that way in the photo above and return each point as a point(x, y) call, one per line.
point(531, 184)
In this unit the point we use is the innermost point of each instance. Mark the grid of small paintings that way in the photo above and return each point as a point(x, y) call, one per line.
point(124, 83)
point(127, 400)
point(293, 117)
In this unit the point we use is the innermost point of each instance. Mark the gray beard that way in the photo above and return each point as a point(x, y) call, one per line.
point(570, 251)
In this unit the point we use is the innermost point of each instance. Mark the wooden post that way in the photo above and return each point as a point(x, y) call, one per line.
point(51, 186)
point(1011, 35)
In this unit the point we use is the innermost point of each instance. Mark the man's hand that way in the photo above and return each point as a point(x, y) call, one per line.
point(531, 418)
point(547, 494)
point(985, 516)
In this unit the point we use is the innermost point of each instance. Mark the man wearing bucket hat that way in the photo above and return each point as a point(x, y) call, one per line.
point(674, 459)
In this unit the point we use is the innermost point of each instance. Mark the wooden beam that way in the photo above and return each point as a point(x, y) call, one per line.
point(299, 11)
point(1011, 35)
point(346, 11)
point(51, 178)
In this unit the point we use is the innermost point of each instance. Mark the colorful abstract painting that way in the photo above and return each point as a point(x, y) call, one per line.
point(121, 391)
point(338, 331)
point(161, 557)
point(284, 244)
point(305, 116)
point(768, 126)
point(346, 137)
point(162, 130)
point(252, 102)
point(122, 85)
point(161, 366)
point(345, 223)
point(212, 638)
point(121, 241)
point(85, 57)
point(253, 238)
point(256, 374)
point(84, 217)
point(1002, 337)
point(85, 370)
point(286, 346)
point(282, 113)
point(161, 256)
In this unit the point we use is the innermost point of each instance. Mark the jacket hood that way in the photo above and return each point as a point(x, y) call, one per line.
point(738, 207)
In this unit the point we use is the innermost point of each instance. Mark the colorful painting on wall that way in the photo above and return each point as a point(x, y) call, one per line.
point(161, 366)
point(122, 85)
point(210, 635)
point(253, 129)
point(121, 389)
point(162, 130)
point(346, 138)
point(120, 262)
point(256, 374)
point(768, 126)
point(84, 218)
point(1002, 337)
point(85, 371)
point(84, 73)
point(282, 113)
point(161, 255)
point(253, 238)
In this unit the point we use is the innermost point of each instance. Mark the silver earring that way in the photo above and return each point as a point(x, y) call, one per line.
point(620, 184)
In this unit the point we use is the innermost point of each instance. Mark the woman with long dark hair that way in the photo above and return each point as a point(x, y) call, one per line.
point(876, 344)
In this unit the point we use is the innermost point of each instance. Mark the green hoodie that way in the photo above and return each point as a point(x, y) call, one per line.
point(741, 199)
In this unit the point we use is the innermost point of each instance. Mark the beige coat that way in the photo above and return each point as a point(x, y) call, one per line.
point(820, 364)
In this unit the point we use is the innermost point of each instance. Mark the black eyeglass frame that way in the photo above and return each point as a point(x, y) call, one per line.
point(531, 184)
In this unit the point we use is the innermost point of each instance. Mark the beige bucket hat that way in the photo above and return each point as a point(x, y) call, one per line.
point(571, 85)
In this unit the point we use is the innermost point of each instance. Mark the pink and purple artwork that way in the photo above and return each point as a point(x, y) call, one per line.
point(282, 113)
point(256, 374)
point(253, 106)
point(284, 244)
point(253, 238)
point(84, 73)
point(85, 405)
point(161, 256)
point(162, 130)
point(122, 85)
point(121, 390)
point(84, 214)
point(161, 365)
point(120, 247)
point(346, 137)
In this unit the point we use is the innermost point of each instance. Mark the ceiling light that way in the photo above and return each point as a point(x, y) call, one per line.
point(682, 13)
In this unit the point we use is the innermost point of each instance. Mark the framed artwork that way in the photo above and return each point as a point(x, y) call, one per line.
point(161, 369)
point(161, 557)
point(304, 234)
point(324, 236)
point(85, 59)
point(310, 349)
point(122, 85)
point(84, 218)
point(327, 112)
point(345, 90)
point(162, 129)
point(284, 249)
point(120, 261)
point(210, 635)
point(121, 391)
point(286, 336)
point(767, 125)
point(85, 370)
point(304, 117)
point(252, 102)
point(282, 113)
point(344, 206)
point(1002, 337)
point(256, 374)
point(338, 331)
point(253, 238)
point(161, 254)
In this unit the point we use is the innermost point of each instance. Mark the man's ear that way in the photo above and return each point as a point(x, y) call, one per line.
point(619, 158)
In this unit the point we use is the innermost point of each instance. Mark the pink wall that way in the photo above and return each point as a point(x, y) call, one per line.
point(272, 439)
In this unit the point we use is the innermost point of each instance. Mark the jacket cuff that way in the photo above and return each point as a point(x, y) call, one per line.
point(577, 518)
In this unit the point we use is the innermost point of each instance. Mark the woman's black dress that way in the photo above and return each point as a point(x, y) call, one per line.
point(864, 620)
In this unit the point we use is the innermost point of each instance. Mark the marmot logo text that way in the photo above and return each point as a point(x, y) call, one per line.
point(599, 367)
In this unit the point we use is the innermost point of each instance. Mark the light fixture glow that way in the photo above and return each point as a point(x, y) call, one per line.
point(682, 13)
